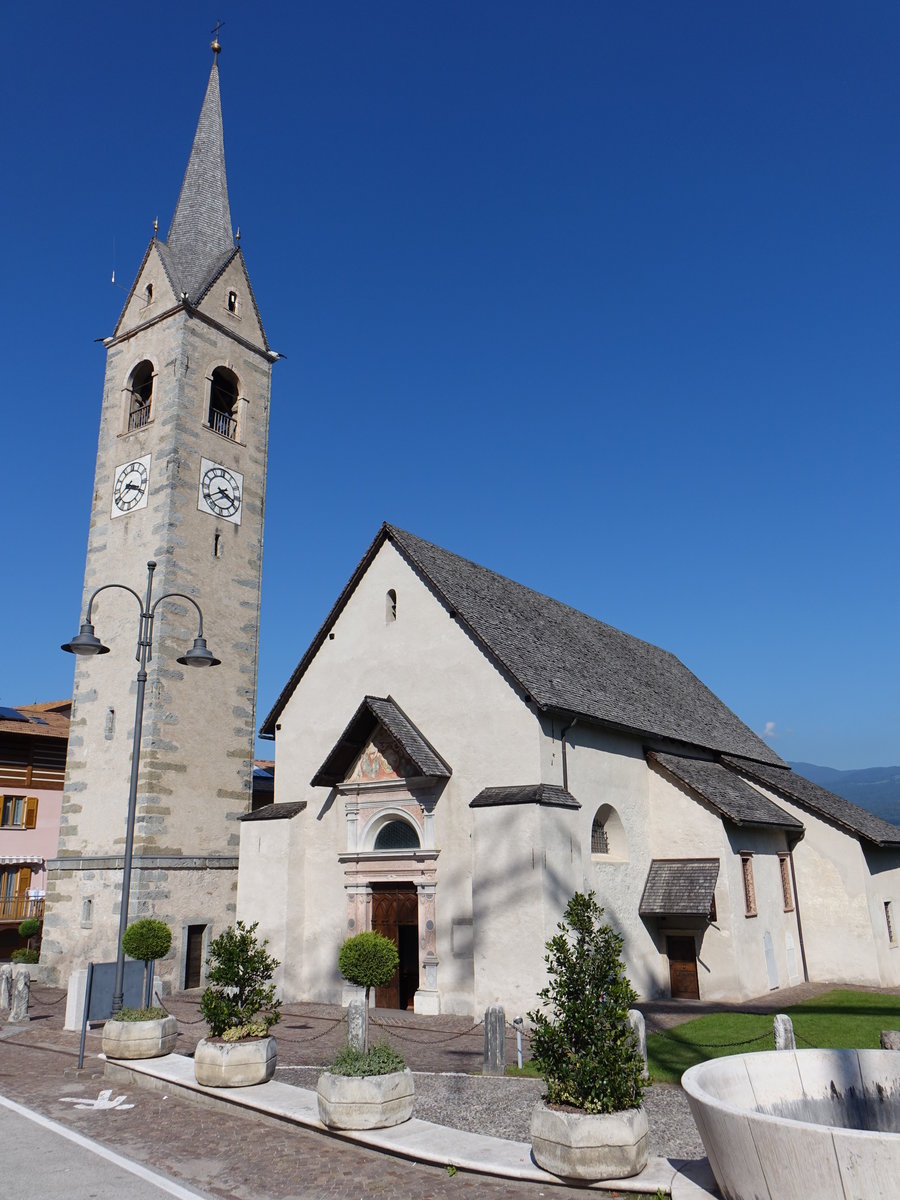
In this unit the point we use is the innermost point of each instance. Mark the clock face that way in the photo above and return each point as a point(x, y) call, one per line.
point(130, 485)
point(220, 491)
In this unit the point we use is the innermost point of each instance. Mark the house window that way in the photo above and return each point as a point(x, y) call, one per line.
point(233, 302)
point(749, 889)
point(390, 607)
point(787, 892)
point(599, 836)
point(19, 812)
point(141, 395)
point(889, 921)
point(223, 398)
point(14, 903)
point(397, 835)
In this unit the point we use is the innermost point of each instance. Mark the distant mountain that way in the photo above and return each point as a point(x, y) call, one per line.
point(874, 788)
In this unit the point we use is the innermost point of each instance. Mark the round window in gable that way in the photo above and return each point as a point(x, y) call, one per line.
point(397, 835)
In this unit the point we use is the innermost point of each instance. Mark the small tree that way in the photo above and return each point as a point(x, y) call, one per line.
point(240, 999)
point(368, 960)
point(30, 928)
point(582, 1041)
point(147, 940)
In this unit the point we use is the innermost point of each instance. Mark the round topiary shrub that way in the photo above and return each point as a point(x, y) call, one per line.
point(30, 927)
point(368, 960)
point(147, 939)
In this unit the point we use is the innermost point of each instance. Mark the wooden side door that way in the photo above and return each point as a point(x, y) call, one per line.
point(682, 952)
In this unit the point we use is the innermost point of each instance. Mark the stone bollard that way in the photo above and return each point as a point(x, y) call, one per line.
point(890, 1039)
point(784, 1033)
point(637, 1023)
point(494, 1041)
point(18, 1004)
point(5, 985)
point(357, 1022)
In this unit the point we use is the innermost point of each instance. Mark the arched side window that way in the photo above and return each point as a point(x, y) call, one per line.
point(599, 837)
point(390, 607)
point(608, 840)
point(223, 399)
point(396, 835)
point(140, 388)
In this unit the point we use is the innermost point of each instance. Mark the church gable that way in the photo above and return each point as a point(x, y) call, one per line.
point(228, 300)
point(381, 744)
point(152, 293)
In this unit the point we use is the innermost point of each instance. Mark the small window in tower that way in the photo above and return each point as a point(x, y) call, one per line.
point(390, 607)
point(217, 546)
point(233, 302)
point(141, 395)
point(148, 294)
point(223, 398)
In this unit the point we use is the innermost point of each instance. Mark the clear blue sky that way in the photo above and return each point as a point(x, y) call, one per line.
point(603, 296)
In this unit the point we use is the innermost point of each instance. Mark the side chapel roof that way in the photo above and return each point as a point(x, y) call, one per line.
point(562, 659)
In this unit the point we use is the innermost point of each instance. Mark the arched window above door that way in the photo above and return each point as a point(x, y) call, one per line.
point(397, 835)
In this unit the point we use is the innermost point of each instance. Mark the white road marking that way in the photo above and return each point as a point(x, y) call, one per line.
point(159, 1181)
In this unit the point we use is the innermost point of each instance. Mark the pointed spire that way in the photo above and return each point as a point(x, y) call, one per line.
point(200, 233)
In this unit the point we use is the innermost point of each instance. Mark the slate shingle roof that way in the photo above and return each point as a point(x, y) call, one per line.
point(819, 800)
point(730, 796)
point(562, 659)
point(679, 887)
point(548, 794)
point(387, 713)
point(275, 812)
point(200, 234)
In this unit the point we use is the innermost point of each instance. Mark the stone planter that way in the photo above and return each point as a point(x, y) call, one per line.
point(365, 1101)
point(139, 1039)
point(235, 1064)
point(577, 1145)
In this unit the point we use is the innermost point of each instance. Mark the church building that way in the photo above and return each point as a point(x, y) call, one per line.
point(180, 482)
point(457, 755)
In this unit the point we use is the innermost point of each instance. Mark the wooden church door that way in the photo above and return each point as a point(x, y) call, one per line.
point(395, 914)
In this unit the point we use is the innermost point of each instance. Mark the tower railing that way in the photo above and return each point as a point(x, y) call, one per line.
point(224, 423)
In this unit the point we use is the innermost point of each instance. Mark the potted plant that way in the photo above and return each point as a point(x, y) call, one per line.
point(591, 1123)
point(29, 928)
point(366, 1088)
point(146, 1032)
point(239, 1007)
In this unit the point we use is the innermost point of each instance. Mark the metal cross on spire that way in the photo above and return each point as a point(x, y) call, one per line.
point(216, 47)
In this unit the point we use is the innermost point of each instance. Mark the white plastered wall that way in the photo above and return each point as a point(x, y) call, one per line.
point(464, 706)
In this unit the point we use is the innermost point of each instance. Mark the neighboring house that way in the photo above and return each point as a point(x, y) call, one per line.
point(458, 754)
point(33, 740)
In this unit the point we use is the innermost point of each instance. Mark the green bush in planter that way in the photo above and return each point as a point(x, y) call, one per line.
point(379, 1060)
point(240, 992)
point(581, 1041)
point(25, 956)
point(368, 960)
point(147, 940)
point(30, 927)
point(141, 1014)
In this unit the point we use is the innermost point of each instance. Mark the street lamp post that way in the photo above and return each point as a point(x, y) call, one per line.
point(86, 643)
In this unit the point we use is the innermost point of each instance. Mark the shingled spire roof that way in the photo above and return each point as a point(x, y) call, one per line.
point(200, 240)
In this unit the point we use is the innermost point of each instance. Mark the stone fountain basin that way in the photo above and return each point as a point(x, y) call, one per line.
point(792, 1124)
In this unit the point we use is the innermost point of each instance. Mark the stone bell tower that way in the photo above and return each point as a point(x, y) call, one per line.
point(180, 479)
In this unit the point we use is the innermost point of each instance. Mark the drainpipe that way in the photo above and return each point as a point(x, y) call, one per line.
point(562, 741)
point(797, 907)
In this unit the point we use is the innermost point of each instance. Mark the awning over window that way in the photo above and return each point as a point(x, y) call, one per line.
point(680, 887)
point(32, 860)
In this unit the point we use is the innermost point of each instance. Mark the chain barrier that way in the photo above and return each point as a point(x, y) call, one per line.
point(426, 1041)
point(715, 1045)
point(800, 1038)
point(313, 1037)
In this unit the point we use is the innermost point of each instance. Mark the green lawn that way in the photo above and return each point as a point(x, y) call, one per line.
point(840, 1019)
